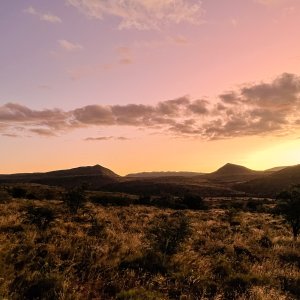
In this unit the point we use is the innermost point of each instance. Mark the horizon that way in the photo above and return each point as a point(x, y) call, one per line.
point(146, 86)
point(148, 171)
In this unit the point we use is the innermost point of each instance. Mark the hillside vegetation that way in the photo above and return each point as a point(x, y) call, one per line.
point(113, 247)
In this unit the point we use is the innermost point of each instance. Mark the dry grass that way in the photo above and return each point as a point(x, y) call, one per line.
point(106, 253)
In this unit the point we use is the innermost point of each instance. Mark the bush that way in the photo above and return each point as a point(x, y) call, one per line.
point(138, 294)
point(288, 206)
point(265, 242)
point(35, 289)
point(239, 284)
point(254, 205)
point(111, 200)
point(75, 199)
point(193, 201)
point(18, 192)
point(167, 232)
point(151, 262)
point(4, 196)
point(41, 217)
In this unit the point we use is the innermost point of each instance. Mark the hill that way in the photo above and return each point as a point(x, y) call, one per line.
point(93, 176)
point(231, 173)
point(273, 183)
point(163, 174)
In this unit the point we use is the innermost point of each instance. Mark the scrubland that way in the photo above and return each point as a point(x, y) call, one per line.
point(231, 249)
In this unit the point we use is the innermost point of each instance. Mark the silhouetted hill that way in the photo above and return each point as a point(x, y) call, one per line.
point(92, 176)
point(233, 173)
point(275, 169)
point(273, 183)
point(232, 169)
point(163, 174)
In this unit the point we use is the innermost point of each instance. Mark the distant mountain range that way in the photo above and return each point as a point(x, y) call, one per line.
point(163, 174)
point(230, 179)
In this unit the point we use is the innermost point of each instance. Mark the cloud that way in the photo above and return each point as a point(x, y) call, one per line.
point(143, 14)
point(106, 138)
point(47, 17)
point(43, 132)
point(271, 2)
point(68, 46)
point(11, 135)
point(253, 109)
point(125, 55)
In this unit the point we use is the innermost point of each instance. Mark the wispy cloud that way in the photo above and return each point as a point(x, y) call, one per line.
point(125, 55)
point(271, 2)
point(253, 109)
point(143, 14)
point(47, 17)
point(106, 138)
point(69, 46)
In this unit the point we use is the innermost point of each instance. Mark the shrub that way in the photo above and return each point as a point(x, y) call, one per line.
point(193, 201)
point(111, 200)
point(138, 294)
point(75, 199)
point(239, 284)
point(265, 242)
point(167, 232)
point(253, 205)
point(41, 217)
point(18, 192)
point(289, 207)
point(151, 261)
point(222, 269)
point(35, 289)
point(4, 196)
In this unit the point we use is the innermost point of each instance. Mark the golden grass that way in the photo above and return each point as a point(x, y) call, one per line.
point(91, 255)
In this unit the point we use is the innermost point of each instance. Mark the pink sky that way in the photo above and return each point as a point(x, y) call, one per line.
point(143, 85)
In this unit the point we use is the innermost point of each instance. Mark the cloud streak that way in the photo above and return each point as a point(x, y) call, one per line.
point(253, 109)
point(68, 46)
point(142, 14)
point(106, 138)
point(47, 17)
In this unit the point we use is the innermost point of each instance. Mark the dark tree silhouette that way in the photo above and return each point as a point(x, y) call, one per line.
point(289, 207)
point(75, 199)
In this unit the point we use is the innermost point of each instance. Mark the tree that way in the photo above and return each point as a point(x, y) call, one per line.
point(288, 206)
point(75, 199)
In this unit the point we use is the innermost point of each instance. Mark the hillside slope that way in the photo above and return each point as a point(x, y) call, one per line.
point(273, 183)
point(92, 176)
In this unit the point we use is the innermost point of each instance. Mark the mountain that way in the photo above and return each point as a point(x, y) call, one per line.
point(232, 169)
point(273, 183)
point(231, 173)
point(275, 169)
point(163, 174)
point(93, 176)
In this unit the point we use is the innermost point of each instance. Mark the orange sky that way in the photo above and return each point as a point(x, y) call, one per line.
point(143, 85)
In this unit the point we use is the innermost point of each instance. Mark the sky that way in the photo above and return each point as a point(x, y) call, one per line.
point(149, 85)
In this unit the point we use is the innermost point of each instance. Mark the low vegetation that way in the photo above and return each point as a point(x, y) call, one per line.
point(144, 248)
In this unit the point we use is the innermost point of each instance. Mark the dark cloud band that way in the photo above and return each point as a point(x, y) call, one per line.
point(254, 109)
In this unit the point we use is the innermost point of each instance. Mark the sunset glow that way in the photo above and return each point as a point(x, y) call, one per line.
point(149, 85)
